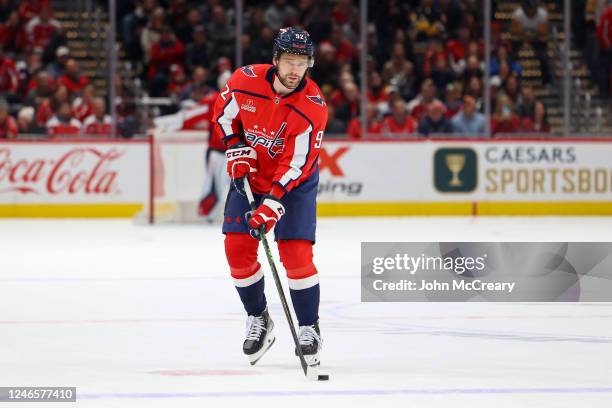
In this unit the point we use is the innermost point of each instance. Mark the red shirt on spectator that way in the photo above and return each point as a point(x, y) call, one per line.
point(8, 129)
point(55, 127)
point(9, 78)
point(92, 126)
point(13, 38)
point(29, 9)
point(44, 112)
point(512, 125)
point(604, 29)
point(391, 126)
point(82, 109)
point(164, 54)
point(40, 32)
point(354, 128)
point(72, 85)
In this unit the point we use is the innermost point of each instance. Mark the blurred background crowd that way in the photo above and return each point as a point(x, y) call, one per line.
point(425, 70)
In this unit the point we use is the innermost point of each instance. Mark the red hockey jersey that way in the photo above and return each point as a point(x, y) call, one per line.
point(286, 131)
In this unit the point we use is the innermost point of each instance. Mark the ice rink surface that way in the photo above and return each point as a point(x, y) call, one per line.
point(139, 316)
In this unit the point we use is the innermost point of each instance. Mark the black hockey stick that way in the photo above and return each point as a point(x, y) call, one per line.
point(309, 372)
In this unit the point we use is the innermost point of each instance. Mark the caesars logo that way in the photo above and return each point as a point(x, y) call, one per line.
point(332, 174)
point(455, 170)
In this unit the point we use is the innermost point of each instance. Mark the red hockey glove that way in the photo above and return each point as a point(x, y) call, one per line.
point(241, 160)
point(266, 215)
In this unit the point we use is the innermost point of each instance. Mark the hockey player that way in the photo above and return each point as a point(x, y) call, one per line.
point(272, 119)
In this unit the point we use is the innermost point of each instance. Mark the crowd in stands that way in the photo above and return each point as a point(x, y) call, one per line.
point(425, 66)
point(42, 90)
point(425, 63)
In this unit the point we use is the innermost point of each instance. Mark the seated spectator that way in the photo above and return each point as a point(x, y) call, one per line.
point(29, 9)
point(604, 35)
point(502, 56)
point(57, 68)
point(527, 102)
point(400, 72)
point(62, 123)
point(277, 14)
point(185, 26)
point(220, 32)
point(39, 88)
point(452, 99)
point(152, 33)
point(530, 25)
point(474, 89)
point(441, 73)
point(72, 79)
point(132, 25)
point(12, 35)
point(9, 78)
point(8, 125)
point(469, 122)
point(334, 125)
point(400, 121)
point(511, 88)
point(200, 52)
point(26, 123)
point(178, 81)
point(456, 49)
point(48, 106)
point(99, 123)
point(418, 106)
point(538, 123)
point(435, 122)
point(349, 109)
point(83, 106)
point(373, 122)
point(426, 22)
point(377, 93)
point(165, 52)
point(199, 82)
point(41, 28)
point(345, 50)
point(504, 120)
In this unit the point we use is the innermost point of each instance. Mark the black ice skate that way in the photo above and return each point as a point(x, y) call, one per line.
point(259, 336)
point(310, 343)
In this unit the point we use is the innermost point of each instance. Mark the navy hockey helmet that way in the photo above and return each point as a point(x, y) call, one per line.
point(294, 41)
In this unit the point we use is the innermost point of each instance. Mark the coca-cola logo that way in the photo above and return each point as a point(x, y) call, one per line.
point(82, 170)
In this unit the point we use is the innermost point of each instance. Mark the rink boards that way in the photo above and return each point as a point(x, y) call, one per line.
point(93, 178)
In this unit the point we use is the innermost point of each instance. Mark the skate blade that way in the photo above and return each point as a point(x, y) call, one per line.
point(312, 360)
point(254, 358)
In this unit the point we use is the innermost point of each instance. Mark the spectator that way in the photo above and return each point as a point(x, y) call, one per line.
point(456, 49)
point(224, 71)
point(9, 78)
point(26, 123)
point(418, 106)
point(349, 109)
point(41, 87)
point(8, 125)
point(530, 25)
point(62, 123)
point(426, 21)
point(441, 73)
point(452, 99)
point(604, 34)
point(435, 122)
point(152, 33)
point(178, 82)
point(164, 53)
point(277, 14)
point(7, 7)
point(373, 122)
point(99, 123)
point(512, 88)
point(474, 89)
point(400, 72)
point(29, 9)
point(504, 119)
point(49, 106)
point(83, 106)
point(469, 122)
point(200, 52)
point(502, 56)
point(345, 51)
point(57, 68)
point(12, 35)
point(538, 123)
point(132, 25)
point(334, 125)
point(41, 28)
point(377, 93)
point(220, 32)
point(185, 21)
point(72, 79)
point(399, 121)
point(199, 82)
point(527, 102)
point(326, 74)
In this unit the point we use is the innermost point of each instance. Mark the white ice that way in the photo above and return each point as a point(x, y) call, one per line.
point(139, 316)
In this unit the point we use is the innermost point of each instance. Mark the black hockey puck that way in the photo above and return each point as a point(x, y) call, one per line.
point(323, 377)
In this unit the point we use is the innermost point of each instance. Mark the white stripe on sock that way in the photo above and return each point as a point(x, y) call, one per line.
point(304, 283)
point(244, 282)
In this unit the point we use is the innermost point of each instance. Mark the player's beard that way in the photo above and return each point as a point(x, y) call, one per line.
point(289, 83)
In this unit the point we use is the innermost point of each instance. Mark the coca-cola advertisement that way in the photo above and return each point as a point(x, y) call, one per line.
point(74, 172)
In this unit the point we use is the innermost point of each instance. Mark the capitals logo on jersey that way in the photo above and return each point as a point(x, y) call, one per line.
point(273, 141)
point(316, 99)
point(248, 71)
